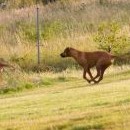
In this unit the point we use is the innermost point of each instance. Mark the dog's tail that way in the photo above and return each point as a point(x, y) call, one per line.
point(124, 58)
point(114, 56)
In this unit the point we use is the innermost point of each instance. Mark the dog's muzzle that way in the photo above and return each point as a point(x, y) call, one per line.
point(62, 55)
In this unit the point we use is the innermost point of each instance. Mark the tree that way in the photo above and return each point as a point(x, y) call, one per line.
point(110, 38)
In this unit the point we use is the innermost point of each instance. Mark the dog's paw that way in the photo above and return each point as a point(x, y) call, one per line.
point(96, 82)
point(89, 81)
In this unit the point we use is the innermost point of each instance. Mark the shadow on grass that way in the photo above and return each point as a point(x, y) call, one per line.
point(89, 127)
point(77, 127)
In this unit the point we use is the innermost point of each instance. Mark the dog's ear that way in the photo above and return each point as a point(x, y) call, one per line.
point(67, 48)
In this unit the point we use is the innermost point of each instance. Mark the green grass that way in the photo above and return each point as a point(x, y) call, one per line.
point(69, 103)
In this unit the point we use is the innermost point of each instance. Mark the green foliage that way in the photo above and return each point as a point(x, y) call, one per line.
point(48, 31)
point(2, 29)
point(2, 1)
point(88, 127)
point(21, 86)
point(52, 30)
point(28, 31)
point(26, 62)
point(109, 35)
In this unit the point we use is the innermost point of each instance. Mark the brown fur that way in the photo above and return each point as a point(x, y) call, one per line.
point(3, 64)
point(99, 59)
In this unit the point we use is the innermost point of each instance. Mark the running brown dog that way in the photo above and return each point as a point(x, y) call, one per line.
point(99, 59)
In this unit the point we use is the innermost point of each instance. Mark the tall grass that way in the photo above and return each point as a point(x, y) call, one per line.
point(70, 23)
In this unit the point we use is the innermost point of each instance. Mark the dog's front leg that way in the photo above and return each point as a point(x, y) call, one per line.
point(84, 75)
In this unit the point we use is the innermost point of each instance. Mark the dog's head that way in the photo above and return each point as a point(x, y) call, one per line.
point(66, 53)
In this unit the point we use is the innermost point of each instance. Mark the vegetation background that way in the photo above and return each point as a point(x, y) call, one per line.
point(86, 25)
point(57, 98)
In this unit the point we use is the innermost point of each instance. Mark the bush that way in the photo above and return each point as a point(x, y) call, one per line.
point(109, 35)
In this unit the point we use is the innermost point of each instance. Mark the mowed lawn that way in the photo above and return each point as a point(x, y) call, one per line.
point(71, 104)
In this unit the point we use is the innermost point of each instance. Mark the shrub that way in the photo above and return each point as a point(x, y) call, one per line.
point(109, 35)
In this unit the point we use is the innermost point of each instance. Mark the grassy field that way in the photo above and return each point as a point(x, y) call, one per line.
point(69, 104)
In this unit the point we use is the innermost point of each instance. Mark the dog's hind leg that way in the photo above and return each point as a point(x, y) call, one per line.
point(102, 70)
point(98, 74)
point(101, 74)
point(90, 74)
